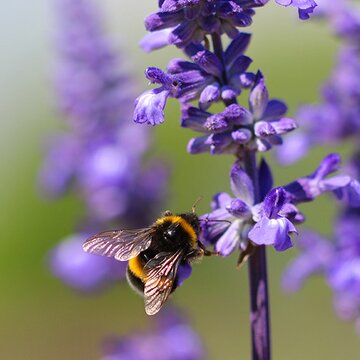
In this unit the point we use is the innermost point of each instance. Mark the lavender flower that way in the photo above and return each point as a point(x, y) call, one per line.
point(259, 127)
point(80, 270)
point(305, 7)
point(202, 80)
point(308, 188)
point(190, 21)
point(96, 158)
point(171, 339)
point(265, 223)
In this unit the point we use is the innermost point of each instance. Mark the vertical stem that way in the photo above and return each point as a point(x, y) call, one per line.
point(259, 296)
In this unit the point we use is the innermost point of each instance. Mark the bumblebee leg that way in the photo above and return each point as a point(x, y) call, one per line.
point(167, 213)
point(207, 252)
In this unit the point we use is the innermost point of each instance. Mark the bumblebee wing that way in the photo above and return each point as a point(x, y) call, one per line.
point(120, 244)
point(161, 273)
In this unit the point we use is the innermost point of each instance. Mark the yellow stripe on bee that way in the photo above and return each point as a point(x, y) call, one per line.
point(136, 266)
point(183, 223)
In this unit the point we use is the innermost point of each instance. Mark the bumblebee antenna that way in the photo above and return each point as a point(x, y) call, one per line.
point(215, 220)
point(193, 208)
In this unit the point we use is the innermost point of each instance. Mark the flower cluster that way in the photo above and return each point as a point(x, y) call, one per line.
point(182, 22)
point(335, 120)
point(96, 158)
point(270, 221)
point(171, 339)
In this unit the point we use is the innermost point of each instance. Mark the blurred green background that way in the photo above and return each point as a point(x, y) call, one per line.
point(42, 319)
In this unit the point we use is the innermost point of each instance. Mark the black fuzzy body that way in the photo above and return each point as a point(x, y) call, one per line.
point(169, 236)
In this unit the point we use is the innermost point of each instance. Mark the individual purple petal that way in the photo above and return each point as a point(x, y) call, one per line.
point(216, 123)
point(198, 145)
point(263, 145)
point(220, 200)
point(229, 240)
point(229, 93)
point(284, 125)
point(265, 178)
point(274, 109)
point(184, 272)
point(159, 21)
point(210, 94)
point(264, 129)
point(327, 166)
point(291, 212)
point(258, 97)
point(220, 143)
point(183, 34)
point(155, 40)
point(242, 136)
point(194, 118)
point(247, 79)
point(274, 201)
point(211, 229)
point(237, 47)
point(273, 232)
point(335, 183)
point(239, 208)
point(239, 66)
point(241, 185)
point(349, 193)
point(237, 115)
point(149, 107)
point(207, 60)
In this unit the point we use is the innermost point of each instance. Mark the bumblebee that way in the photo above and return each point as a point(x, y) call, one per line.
point(154, 254)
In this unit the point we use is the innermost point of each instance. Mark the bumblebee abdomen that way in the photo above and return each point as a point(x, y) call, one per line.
point(136, 267)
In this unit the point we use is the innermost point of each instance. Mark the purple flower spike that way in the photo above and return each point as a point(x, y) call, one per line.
point(273, 229)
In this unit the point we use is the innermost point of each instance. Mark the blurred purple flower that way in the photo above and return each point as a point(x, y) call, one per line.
point(337, 260)
point(100, 157)
point(171, 339)
point(83, 271)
